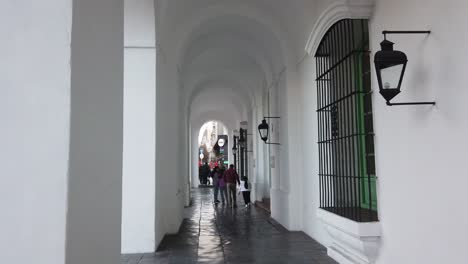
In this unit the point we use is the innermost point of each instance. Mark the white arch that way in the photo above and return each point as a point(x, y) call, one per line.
point(220, 116)
point(232, 88)
point(217, 44)
point(205, 125)
point(183, 35)
point(335, 12)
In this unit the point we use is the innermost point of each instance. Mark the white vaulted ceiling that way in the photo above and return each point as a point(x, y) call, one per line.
point(228, 51)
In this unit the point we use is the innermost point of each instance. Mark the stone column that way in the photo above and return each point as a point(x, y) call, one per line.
point(96, 128)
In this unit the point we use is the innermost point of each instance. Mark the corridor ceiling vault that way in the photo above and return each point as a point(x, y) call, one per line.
point(228, 53)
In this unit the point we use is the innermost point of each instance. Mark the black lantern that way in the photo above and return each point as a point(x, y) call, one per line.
point(263, 130)
point(234, 147)
point(390, 66)
point(242, 139)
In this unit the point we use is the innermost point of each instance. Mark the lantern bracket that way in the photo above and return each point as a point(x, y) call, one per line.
point(412, 103)
point(385, 32)
point(272, 117)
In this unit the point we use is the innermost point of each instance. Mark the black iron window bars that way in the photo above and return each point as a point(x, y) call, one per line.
point(345, 137)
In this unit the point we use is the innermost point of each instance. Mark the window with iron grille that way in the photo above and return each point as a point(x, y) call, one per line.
point(346, 137)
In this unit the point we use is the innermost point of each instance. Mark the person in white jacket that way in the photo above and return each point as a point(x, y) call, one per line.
point(244, 187)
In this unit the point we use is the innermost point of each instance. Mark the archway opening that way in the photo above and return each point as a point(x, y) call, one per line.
point(212, 151)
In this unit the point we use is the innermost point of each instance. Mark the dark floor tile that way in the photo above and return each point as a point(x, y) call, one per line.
point(220, 234)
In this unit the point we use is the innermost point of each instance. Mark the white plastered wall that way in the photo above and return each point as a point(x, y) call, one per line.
point(420, 150)
point(35, 126)
point(170, 141)
point(258, 175)
point(304, 185)
point(309, 169)
point(279, 154)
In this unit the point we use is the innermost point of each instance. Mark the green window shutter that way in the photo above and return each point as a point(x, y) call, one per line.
point(365, 150)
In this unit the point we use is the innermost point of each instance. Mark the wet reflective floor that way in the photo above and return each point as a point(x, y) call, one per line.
point(220, 234)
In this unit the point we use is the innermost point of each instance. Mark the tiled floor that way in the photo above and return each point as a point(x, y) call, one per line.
point(219, 234)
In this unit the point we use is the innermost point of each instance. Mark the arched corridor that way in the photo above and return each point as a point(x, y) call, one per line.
point(219, 234)
point(346, 118)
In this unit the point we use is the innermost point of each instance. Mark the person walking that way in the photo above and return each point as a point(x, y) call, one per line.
point(231, 178)
point(222, 187)
point(204, 171)
point(215, 175)
point(200, 173)
point(245, 189)
point(222, 170)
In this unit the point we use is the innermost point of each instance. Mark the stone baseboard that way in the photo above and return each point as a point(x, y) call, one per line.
point(352, 242)
point(264, 204)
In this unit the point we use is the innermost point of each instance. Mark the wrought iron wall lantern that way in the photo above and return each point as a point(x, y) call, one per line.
point(263, 130)
point(241, 139)
point(390, 66)
point(234, 147)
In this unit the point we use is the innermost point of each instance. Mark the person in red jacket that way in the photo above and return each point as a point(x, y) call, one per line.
point(231, 178)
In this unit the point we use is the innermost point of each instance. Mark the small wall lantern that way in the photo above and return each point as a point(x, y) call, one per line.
point(242, 138)
point(263, 130)
point(390, 66)
point(234, 147)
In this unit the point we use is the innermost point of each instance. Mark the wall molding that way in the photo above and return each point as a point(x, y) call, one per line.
point(342, 9)
point(352, 242)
